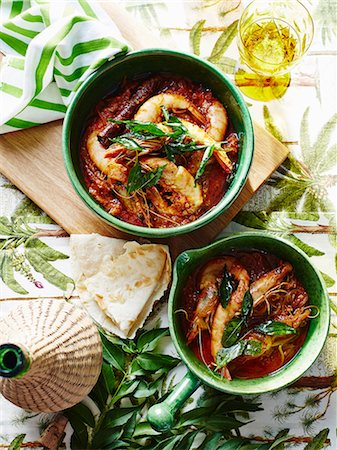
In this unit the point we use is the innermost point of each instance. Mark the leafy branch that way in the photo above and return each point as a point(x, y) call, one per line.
point(134, 376)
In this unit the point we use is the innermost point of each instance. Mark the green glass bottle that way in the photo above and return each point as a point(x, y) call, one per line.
point(14, 361)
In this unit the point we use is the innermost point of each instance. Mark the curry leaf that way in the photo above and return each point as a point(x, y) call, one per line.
point(195, 36)
point(83, 413)
point(119, 416)
point(318, 441)
point(16, 442)
point(109, 377)
point(210, 442)
point(148, 340)
point(280, 438)
point(244, 347)
point(138, 180)
point(153, 362)
point(127, 142)
point(223, 42)
point(113, 354)
point(142, 130)
point(274, 328)
point(226, 288)
point(106, 437)
point(247, 306)
point(232, 332)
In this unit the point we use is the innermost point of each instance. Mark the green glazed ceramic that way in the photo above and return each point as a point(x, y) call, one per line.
point(161, 416)
point(108, 77)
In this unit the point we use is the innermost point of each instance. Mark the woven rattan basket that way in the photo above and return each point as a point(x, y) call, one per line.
point(53, 356)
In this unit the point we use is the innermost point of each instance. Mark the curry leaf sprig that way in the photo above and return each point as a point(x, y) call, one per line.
point(175, 142)
point(134, 376)
point(138, 180)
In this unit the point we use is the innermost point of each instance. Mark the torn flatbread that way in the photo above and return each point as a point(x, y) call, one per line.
point(119, 281)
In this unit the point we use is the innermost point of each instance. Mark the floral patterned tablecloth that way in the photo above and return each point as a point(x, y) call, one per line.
point(298, 202)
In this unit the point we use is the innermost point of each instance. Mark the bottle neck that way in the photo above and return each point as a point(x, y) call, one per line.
point(13, 361)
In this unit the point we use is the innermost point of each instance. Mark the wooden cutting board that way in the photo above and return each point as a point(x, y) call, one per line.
point(32, 160)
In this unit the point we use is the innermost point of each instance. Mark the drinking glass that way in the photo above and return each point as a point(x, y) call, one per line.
point(272, 37)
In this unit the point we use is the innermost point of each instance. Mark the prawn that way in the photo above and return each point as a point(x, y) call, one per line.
point(101, 158)
point(262, 285)
point(215, 131)
point(185, 196)
point(224, 315)
point(200, 136)
point(208, 297)
point(151, 111)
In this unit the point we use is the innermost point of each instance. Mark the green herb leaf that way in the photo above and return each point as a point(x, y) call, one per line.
point(224, 41)
point(16, 442)
point(142, 130)
point(195, 36)
point(207, 156)
point(138, 180)
point(210, 442)
point(274, 328)
point(113, 354)
point(79, 439)
point(106, 437)
point(118, 417)
point(125, 389)
point(226, 288)
point(232, 332)
point(148, 340)
point(318, 441)
point(83, 413)
point(244, 347)
point(127, 142)
point(280, 438)
point(109, 377)
point(99, 394)
point(247, 306)
point(153, 362)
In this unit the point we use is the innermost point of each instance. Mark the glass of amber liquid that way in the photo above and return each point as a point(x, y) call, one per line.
point(272, 37)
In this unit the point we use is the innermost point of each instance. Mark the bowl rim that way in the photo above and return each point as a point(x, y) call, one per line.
point(210, 215)
point(262, 384)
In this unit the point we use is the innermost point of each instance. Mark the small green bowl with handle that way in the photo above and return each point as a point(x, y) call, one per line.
point(162, 415)
point(134, 65)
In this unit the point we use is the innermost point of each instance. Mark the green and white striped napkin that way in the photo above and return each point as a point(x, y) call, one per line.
point(50, 48)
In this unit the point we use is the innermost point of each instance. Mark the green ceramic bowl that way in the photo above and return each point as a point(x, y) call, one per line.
point(108, 77)
point(161, 416)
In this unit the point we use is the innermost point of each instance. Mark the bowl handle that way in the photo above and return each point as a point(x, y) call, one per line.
point(162, 415)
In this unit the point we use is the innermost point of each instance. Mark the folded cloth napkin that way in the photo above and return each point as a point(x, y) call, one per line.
point(50, 48)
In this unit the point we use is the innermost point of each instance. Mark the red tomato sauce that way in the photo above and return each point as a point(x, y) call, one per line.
point(257, 263)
